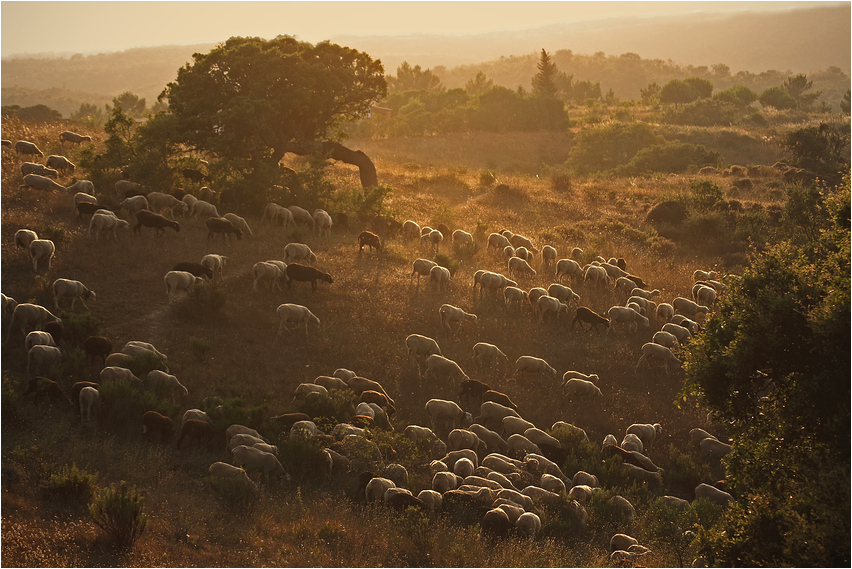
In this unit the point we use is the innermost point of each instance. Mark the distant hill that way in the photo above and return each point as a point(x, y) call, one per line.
point(622, 54)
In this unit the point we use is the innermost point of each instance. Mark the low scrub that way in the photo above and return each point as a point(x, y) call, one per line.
point(118, 511)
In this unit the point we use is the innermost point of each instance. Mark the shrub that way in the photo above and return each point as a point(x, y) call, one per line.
point(706, 193)
point(669, 157)
point(56, 232)
point(487, 178)
point(560, 182)
point(71, 483)
point(603, 148)
point(304, 459)
point(318, 406)
point(704, 112)
point(235, 496)
point(10, 402)
point(668, 525)
point(208, 297)
point(118, 511)
point(200, 347)
point(447, 262)
point(77, 326)
point(234, 411)
point(143, 363)
point(123, 405)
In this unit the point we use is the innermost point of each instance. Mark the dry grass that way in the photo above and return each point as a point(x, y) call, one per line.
point(365, 314)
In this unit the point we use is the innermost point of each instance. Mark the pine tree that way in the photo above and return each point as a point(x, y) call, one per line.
point(544, 82)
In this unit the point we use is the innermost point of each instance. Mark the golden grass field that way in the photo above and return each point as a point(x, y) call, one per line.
point(365, 316)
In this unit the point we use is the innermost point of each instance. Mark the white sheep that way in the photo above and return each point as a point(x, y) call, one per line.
point(461, 438)
point(322, 222)
point(305, 389)
point(644, 293)
point(115, 373)
point(301, 215)
point(417, 433)
point(681, 334)
point(568, 268)
point(450, 314)
point(609, 440)
point(492, 440)
point(434, 238)
point(625, 285)
point(243, 439)
point(713, 494)
point(25, 315)
point(533, 295)
point(461, 238)
point(252, 458)
point(531, 364)
point(687, 323)
point(444, 415)
point(491, 415)
point(344, 374)
point(295, 313)
point(501, 463)
point(41, 249)
point(411, 229)
point(521, 241)
point(23, 238)
point(439, 278)
point(562, 425)
point(548, 255)
point(421, 346)
point(422, 267)
point(515, 426)
point(463, 467)
point(489, 281)
point(517, 265)
point(649, 306)
point(674, 502)
point(581, 492)
point(157, 201)
point(176, 281)
point(204, 209)
point(300, 252)
point(498, 242)
point(652, 352)
point(40, 357)
point(665, 311)
point(688, 308)
point(103, 220)
point(626, 315)
point(539, 437)
point(215, 263)
point(584, 478)
point(646, 433)
point(613, 271)
point(540, 495)
point(445, 481)
point(240, 223)
point(632, 442)
point(525, 254)
point(266, 272)
point(698, 435)
point(641, 475)
point(508, 252)
point(157, 376)
point(547, 304)
point(580, 388)
point(277, 213)
point(666, 339)
point(84, 196)
point(38, 338)
point(90, 400)
point(73, 289)
point(596, 276)
point(487, 353)
point(190, 201)
point(700, 275)
point(304, 430)
point(563, 294)
point(138, 348)
point(228, 472)
point(134, 204)
point(706, 296)
point(713, 449)
point(377, 487)
point(437, 366)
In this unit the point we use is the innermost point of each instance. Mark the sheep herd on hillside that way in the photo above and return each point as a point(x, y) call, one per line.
point(495, 460)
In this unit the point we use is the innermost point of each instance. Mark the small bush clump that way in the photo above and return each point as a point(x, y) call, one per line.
point(70, 483)
point(706, 193)
point(119, 512)
point(200, 347)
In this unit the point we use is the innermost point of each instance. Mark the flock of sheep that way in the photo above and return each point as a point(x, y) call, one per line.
point(496, 460)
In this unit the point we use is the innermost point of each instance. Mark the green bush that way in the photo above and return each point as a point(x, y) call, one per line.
point(209, 298)
point(235, 496)
point(447, 262)
point(603, 148)
point(77, 326)
point(234, 411)
point(145, 362)
point(305, 460)
point(118, 511)
point(705, 112)
point(200, 347)
point(676, 157)
point(56, 232)
point(706, 193)
point(70, 483)
point(683, 474)
point(334, 405)
point(10, 402)
point(123, 405)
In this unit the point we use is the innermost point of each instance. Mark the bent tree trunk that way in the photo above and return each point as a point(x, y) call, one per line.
point(369, 177)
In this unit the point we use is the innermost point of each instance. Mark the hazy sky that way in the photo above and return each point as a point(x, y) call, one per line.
point(91, 27)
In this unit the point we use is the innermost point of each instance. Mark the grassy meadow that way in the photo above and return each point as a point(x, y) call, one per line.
point(365, 316)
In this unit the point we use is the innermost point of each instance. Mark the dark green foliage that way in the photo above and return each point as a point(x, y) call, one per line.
point(413, 78)
point(705, 112)
point(34, 114)
point(739, 95)
point(200, 347)
point(773, 365)
point(303, 460)
point(334, 406)
point(674, 157)
point(236, 496)
point(543, 82)
point(118, 511)
point(141, 364)
point(122, 405)
point(683, 474)
point(823, 149)
point(667, 526)
point(447, 262)
point(778, 98)
point(10, 402)
point(796, 86)
point(56, 232)
point(678, 93)
point(70, 483)
point(234, 411)
point(207, 298)
point(77, 326)
point(705, 193)
point(702, 87)
point(607, 147)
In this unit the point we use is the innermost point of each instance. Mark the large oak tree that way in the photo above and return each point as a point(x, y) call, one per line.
point(250, 101)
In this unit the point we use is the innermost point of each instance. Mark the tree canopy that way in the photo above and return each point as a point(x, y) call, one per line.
point(544, 82)
point(413, 79)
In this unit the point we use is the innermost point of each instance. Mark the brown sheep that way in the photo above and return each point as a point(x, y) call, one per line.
point(222, 226)
point(43, 387)
point(196, 430)
point(368, 238)
point(585, 314)
point(370, 396)
point(500, 398)
point(157, 426)
point(303, 273)
point(158, 222)
point(97, 347)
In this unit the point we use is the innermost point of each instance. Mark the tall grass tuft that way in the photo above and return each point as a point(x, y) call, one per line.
point(118, 511)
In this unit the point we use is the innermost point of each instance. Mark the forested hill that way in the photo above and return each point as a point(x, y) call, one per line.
point(757, 50)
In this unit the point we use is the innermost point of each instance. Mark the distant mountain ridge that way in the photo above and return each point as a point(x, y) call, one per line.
point(799, 41)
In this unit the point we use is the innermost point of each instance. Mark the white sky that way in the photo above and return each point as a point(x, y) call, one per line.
point(92, 27)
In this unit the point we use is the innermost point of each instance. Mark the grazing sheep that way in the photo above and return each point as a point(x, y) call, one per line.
point(563, 294)
point(88, 208)
point(41, 183)
point(450, 314)
point(134, 204)
point(434, 237)
point(137, 348)
point(41, 387)
point(646, 433)
point(38, 338)
point(106, 221)
point(252, 458)
point(417, 433)
point(639, 474)
point(222, 226)
point(294, 313)
point(487, 353)
point(580, 388)
point(41, 249)
point(548, 255)
point(631, 442)
point(665, 312)
point(40, 169)
point(493, 441)
point(74, 290)
point(68, 136)
point(498, 242)
point(126, 188)
point(197, 430)
point(299, 252)
point(40, 357)
point(691, 325)
point(157, 425)
point(713, 449)
point(422, 267)
point(302, 216)
point(681, 334)
point(322, 222)
point(197, 269)
point(145, 218)
point(113, 373)
point(369, 239)
point(263, 271)
point(585, 314)
point(204, 209)
point(239, 222)
point(243, 439)
point(666, 339)
point(596, 276)
point(652, 352)
point(688, 308)
point(157, 201)
point(700, 275)
point(706, 296)
point(156, 376)
point(439, 366)
point(439, 278)
point(626, 315)
point(421, 346)
point(461, 238)
point(30, 149)
point(305, 273)
point(494, 282)
point(377, 487)
point(515, 426)
point(508, 252)
point(531, 364)
point(513, 294)
point(459, 439)
point(344, 374)
point(226, 471)
point(548, 304)
point(491, 415)
point(568, 268)
point(520, 241)
point(180, 281)
point(90, 400)
point(523, 253)
point(25, 315)
point(500, 398)
point(23, 238)
point(713, 494)
point(216, 264)
point(517, 265)
point(411, 229)
point(444, 415)
point(278, 214)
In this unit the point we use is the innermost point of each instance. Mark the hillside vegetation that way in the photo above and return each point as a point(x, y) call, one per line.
point(236, 368)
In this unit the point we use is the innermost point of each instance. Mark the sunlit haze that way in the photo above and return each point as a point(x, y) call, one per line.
point(91, 27)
